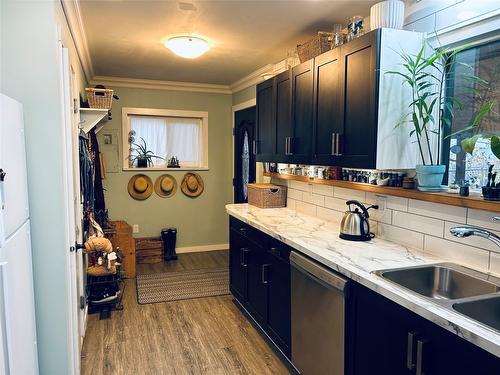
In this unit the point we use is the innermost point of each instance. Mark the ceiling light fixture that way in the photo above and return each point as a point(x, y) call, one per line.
point(187, 46)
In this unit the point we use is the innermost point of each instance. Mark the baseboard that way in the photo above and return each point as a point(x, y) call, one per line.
point(197, 249)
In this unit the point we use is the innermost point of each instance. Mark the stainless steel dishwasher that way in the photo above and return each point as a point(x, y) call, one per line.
point(318, 315)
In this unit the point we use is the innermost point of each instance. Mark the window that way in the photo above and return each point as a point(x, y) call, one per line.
point(167, 134)
point(483, 62)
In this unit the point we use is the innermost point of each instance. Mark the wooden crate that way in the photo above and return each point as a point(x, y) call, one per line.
point(149, 250)
point(121, 237)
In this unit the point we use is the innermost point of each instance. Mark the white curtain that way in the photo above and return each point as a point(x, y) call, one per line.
point(170, 136)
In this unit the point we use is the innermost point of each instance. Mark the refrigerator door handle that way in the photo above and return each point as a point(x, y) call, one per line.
point(3, 317)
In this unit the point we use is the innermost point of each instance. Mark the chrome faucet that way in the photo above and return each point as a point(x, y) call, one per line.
point(467, 231)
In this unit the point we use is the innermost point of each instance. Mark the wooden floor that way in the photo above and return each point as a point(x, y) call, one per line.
point(198, 336)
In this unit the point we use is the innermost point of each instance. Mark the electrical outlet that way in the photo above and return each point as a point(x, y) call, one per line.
point(381, 202)
point(135, 228)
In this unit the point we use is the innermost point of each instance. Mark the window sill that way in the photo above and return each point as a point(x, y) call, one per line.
point(160, 169)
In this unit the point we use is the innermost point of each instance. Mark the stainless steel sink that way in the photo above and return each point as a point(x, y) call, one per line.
point(468, 292)
point(486, 311)
point(441, 281)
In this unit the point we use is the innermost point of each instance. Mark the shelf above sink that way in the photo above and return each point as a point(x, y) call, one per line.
point(92, 117)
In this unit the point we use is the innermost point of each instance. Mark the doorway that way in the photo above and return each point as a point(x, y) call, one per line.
point(244, 159)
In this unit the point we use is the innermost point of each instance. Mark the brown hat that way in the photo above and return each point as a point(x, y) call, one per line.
point(165, 186)
point(192, 185)
point(140, 187)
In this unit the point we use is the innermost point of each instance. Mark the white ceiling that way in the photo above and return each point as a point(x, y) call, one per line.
point(125, 37)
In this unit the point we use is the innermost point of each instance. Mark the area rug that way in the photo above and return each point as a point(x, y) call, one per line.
point(174, 286)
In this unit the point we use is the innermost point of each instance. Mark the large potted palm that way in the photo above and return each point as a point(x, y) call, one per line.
point(430, 111)
point(425, 75)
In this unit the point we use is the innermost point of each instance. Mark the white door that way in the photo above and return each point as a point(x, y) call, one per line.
point(72, 274)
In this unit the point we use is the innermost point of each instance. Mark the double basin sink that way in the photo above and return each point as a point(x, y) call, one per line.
point(471, 293)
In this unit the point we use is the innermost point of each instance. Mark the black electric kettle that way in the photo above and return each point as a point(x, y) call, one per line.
point(355, 225)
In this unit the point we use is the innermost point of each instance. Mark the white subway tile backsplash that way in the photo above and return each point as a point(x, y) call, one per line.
point(318, 200)
point(402, 236)
point(344, 193)
point(418, 223)
point(336, 204)
point(305, 208)
point(482, 218)
point(437, 210)
point(329, 215)
point(323, 190)
point(475, 241)
point(463, 254)
point(299, 185)
point(294, 194)
point(413, 223)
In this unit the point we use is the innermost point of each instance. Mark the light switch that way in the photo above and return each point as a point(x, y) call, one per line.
point(135, 228)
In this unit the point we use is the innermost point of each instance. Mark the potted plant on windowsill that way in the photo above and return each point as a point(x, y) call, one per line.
point(426, 78)
point(143, 156)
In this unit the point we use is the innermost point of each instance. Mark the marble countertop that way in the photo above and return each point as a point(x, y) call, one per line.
point(319, 239)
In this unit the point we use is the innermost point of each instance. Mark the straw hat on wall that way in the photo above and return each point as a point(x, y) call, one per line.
point(140, 187)
point(165, 186)
point(192, 185)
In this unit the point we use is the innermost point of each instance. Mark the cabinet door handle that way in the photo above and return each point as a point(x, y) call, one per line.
point(290, 145)
point(265, 267)
point(411, 349)
point(243, 231)
point(337, 145)
point(254, 146)
point(286, 145)
point(333, 143)
point(243, 257)
point(421, 347)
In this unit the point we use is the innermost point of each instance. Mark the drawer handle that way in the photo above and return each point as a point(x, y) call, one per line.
point(274, 250)
point(265, 268)
point(243, 231)
point(411, 349)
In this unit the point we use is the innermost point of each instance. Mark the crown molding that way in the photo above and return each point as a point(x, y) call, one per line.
point(160, 85)
point(252, 79)
point(71, 9)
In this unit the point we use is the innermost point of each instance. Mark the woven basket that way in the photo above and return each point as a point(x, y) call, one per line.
point(266, 195)
point(100, 98)
point(315, 46)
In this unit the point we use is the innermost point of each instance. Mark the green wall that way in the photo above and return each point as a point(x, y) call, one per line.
point(200, 221)
point(29, 73)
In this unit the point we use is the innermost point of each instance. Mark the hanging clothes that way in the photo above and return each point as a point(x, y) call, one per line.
point(99, 204)
point(86, 174)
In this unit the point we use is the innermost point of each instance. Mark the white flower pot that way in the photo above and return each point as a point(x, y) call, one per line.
point(389, 13)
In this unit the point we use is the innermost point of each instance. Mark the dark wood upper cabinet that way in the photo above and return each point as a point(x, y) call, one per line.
point(358, 92)
point(302, 110)
point(284, 130)
point(327, 121)
point(344, 107)
point(265, 143)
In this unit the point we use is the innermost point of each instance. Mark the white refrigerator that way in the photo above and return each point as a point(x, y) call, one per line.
point(18, 348)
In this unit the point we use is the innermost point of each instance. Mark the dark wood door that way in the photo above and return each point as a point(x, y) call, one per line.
point(284, 130)
point(258, 269)
point(238, 265)
point(265, 145)
point(359, 87)
point(279, 309)
point(302, 109)
point(327, 119)
point(244, 159)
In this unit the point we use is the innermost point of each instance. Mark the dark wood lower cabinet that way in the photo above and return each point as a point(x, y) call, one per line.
point(390, 339)
point(381, 337)
point(260, 281)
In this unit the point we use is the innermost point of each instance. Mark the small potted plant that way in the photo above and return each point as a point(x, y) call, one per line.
point(142, 156)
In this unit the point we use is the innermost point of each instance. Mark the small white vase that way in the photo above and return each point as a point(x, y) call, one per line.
point(389, 13)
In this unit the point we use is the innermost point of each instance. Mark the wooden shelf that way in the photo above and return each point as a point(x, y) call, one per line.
point(90, 117)
point(475, 200)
